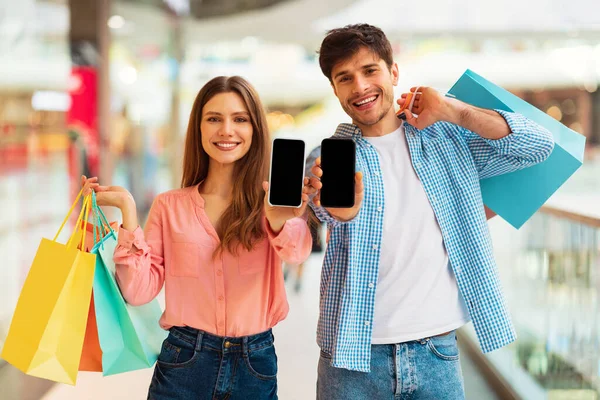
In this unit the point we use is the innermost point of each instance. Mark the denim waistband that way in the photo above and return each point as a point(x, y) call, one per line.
point(200, 339)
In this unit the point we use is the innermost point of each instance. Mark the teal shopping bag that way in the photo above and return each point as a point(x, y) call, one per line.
point(518, 195)
point(130, 337)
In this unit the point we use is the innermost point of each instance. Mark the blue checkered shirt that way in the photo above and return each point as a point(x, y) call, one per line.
point(449, 161)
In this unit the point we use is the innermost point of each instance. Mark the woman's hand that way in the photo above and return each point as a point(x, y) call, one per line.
point(113, 196)
point(277, 216)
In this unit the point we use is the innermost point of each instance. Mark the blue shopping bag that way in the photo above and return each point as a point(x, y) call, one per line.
point(516, 196)
point(130, 336)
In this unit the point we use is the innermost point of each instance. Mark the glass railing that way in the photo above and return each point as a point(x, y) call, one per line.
point(550, 269)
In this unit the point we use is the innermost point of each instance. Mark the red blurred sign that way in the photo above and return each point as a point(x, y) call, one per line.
point(82, 122)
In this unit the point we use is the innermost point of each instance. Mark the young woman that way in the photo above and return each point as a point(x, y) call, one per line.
point(217, 246)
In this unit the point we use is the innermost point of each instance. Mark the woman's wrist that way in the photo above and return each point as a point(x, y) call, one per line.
point(276, 226)
point(129, 212)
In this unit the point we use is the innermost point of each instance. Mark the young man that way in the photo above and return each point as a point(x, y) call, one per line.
point(412, 261)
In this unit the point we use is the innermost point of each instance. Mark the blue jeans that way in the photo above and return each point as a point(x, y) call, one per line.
point(422, 369)
point(197, 365)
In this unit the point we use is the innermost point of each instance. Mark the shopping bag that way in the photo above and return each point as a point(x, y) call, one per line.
point(93, 233)
point(516, 196)
point(130, 337)
point(91, 355)
point(45, 338)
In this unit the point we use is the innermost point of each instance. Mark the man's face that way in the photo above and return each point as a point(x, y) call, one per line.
point(365, 87)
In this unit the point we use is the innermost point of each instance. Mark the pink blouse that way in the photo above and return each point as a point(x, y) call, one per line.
point(226, 296)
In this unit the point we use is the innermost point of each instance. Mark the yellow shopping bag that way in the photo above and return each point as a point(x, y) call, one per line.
point(46, 335)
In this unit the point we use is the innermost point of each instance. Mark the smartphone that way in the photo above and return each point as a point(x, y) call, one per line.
point(286, 177)
point(338, 162)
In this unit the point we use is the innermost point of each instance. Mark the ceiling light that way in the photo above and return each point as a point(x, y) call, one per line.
point(116, 22)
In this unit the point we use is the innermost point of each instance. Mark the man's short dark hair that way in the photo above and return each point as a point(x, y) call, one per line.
point(342, 43)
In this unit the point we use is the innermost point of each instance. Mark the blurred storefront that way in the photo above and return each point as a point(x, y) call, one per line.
point(34, 67)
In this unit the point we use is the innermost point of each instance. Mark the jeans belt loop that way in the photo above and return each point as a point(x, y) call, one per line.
point(199, 341)
point(245, 346)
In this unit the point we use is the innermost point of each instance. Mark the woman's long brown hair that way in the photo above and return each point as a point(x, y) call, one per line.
point(241, 223)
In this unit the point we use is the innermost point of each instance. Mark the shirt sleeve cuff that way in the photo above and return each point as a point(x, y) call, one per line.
point(324, 216)
point(516, 123)
point(283, 236)
point(127, 238)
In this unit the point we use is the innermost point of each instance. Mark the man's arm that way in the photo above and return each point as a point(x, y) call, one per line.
point(499, 141)
point(486, 123)
point(526, 145)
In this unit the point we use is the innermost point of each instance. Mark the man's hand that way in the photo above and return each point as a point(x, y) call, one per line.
point(341, 214)
point(431, 106)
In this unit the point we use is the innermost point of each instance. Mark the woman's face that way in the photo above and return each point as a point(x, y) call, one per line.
point(226, 128)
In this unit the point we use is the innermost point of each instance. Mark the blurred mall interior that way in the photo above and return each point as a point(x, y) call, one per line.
point(105, 88)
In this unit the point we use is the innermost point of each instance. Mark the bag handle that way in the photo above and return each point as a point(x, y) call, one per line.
point(101, 222)
point(69, 214)
point(87, 213)
point(100, 215)
point(105, 222)
point(97, 223)
point(85, 209)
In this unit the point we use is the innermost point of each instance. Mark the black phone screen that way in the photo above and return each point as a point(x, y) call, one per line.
point(287, 172)
point(338, 159)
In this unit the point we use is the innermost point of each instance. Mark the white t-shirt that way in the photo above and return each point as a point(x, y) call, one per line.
point(417, 295)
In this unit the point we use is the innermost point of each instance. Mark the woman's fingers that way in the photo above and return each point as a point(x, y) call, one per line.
point(102, 188)
point(89, 184)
